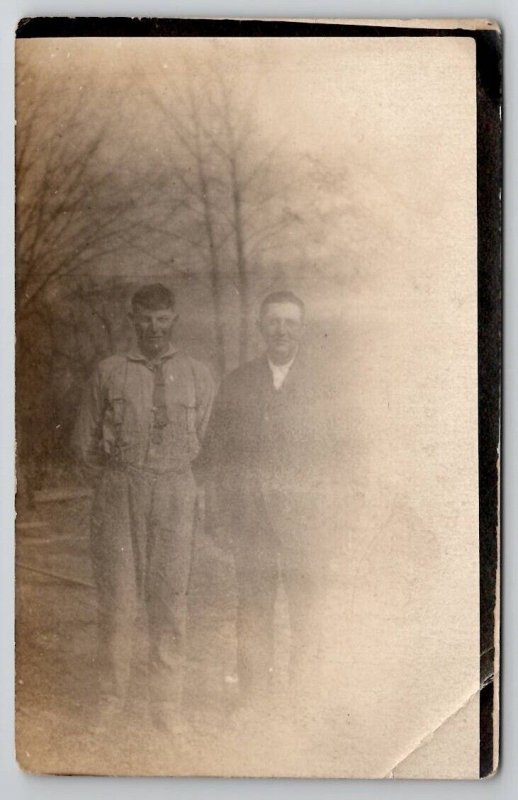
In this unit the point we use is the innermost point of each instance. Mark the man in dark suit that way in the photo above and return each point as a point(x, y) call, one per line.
point(269, 449)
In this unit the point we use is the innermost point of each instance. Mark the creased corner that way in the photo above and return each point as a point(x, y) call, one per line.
point(428, 737)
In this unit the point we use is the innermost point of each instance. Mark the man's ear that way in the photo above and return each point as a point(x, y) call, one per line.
point(176, 317)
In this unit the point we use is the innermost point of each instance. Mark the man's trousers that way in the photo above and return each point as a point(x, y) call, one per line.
point(276, 542)
point(142, 529)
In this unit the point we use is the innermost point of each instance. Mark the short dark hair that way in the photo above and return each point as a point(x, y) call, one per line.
point(153, 296)
point(281, 297)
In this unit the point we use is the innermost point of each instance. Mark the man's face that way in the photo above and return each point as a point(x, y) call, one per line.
point(153, 328)
point(282, 327)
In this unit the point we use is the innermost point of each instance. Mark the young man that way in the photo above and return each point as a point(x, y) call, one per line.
point(139, 428)
point(268, 454)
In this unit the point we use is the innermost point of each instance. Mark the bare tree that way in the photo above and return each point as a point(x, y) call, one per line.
point(74, 208)
point(69, 209)
point(233, 185)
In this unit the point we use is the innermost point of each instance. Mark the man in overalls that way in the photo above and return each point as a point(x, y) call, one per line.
point(139, 428)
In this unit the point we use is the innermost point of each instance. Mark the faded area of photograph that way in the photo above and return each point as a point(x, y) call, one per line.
point(344, 171)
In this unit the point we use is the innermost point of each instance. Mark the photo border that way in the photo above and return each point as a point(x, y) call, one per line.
point(489, 267)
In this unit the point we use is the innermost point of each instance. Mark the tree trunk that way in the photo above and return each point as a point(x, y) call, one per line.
point(242, 271)
point(215, 275)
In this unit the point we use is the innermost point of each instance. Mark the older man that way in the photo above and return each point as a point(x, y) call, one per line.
point(139, 428)
point(269, 452)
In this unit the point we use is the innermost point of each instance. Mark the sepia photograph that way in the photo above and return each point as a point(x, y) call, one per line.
point(248, 533)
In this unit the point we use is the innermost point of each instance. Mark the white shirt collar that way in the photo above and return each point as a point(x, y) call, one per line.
point(279, 372)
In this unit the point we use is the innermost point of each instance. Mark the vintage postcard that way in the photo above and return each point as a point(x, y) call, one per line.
point(258, 298)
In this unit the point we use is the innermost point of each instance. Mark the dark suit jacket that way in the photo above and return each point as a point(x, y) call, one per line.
point(270, 449)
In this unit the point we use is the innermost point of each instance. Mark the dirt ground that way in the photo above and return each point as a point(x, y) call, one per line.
point(56, 682)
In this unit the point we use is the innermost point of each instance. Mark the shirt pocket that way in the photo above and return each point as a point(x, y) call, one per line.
point(113, 419)
point(121, 428)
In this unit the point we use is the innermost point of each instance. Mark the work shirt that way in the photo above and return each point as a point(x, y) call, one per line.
point(150, 415)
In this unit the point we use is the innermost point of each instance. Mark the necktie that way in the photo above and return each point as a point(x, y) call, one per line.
point(160, 418)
